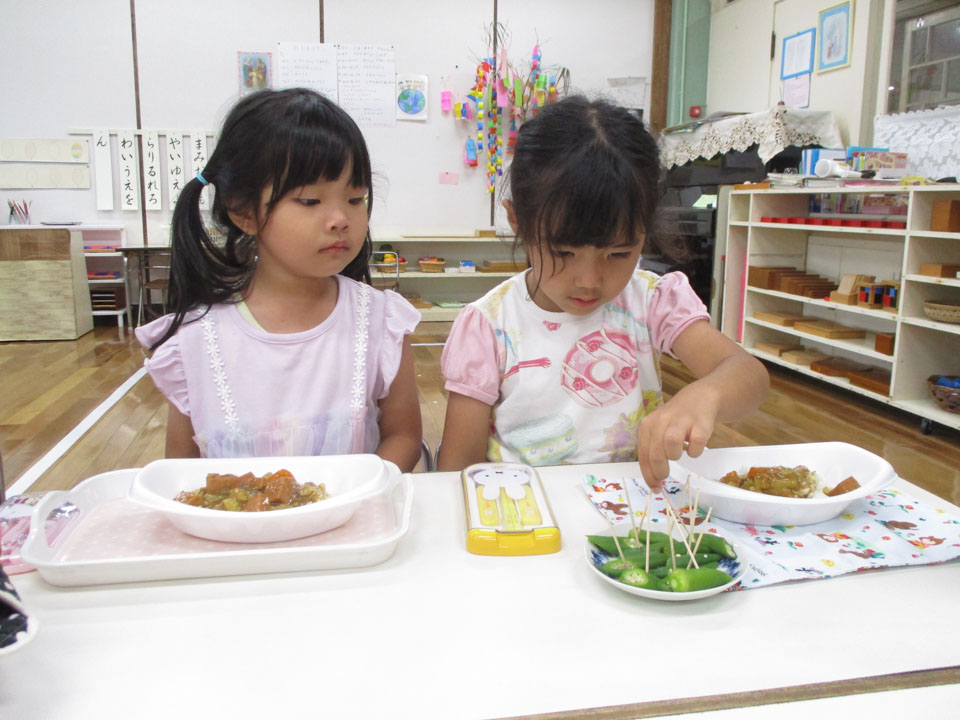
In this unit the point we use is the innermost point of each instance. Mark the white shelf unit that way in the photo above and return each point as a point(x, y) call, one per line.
point(445, 286)
point(922, 347)
point(114, 263)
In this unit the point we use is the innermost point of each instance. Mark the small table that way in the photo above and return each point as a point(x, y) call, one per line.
point(435, 632)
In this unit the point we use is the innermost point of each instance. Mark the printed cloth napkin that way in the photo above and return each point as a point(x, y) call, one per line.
point(886, 529)
point(16, 629)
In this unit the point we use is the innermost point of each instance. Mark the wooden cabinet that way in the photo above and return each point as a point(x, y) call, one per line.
point(773, 228)
point(441, 292)
point(43, 284)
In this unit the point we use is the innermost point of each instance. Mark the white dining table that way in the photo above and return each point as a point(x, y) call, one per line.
point(437, 632)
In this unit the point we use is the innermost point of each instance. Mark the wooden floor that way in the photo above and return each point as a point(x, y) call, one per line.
point(49, 388)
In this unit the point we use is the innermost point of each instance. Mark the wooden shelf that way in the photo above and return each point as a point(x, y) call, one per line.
point(444, 286)
point(922, 347)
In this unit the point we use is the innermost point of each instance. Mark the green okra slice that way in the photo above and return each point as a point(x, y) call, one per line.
point(714, 544)
point(614, 567)
point(637, 577)
point(684, 580)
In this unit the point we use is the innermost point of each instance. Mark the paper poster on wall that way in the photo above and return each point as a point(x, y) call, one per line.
point(103, 164)
point(44, 176)
point(796, 91)
point(365, 80)
point(254, 71)
point(198, 161)
point(309, 65)
point(797, 54)
point(129, 174)
point(175, 170)
point(152, 195)
point(54, 151)
point(412, 97)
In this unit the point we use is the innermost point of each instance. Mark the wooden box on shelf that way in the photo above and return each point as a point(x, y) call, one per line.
point(884, 343)
point(778, 318)
point(837, 366)
point(891, 295)
point(945, 216)
point(939, 270)
point(761, 276)
point(846, 292)
point(777, 348)
point(870, 295)
point(803, 356)
point(828, 329)
point(872, 378)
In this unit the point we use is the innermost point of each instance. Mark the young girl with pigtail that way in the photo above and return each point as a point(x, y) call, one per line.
point(276, 343)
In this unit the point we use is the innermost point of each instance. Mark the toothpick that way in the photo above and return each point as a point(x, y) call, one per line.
point(705, 521)
point(693, 512)
point(673, 514)
point(613, 530)
point(646, 518)
point(633, 525)
point(693, 524)
point(673, 554)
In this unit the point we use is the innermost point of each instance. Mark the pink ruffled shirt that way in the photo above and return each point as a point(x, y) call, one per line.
point(251, 393)
point(566, 388)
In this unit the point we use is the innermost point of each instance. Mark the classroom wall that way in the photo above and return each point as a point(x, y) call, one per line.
point(74, 70)
point(743, 78)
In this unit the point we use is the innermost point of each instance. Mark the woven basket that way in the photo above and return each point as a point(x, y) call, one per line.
point(388, 267)
point(947, 398)
point(942, 312)
point(432, 266)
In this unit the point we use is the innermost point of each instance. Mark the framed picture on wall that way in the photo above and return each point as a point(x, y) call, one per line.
point(834, 37)
point(254, 71)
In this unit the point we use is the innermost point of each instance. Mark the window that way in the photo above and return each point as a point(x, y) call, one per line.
point(925, 61)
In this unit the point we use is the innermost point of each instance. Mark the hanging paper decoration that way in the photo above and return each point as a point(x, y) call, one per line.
point(470, 153)
point(499, 101)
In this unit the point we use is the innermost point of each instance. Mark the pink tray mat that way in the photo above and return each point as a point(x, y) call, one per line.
point(119, 528)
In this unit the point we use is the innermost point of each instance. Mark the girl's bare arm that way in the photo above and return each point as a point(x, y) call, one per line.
point(465, 432)
point(180, 442)
point(400, 428)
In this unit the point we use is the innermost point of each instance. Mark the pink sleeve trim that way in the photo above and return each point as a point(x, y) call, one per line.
point(673, 307)
point(470, 361)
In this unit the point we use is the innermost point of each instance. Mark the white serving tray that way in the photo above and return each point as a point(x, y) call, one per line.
point(113, 540)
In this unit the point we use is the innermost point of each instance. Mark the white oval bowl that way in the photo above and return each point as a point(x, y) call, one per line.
point(831, 461)
point(349, 480)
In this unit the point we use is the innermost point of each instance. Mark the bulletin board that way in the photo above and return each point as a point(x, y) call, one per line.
point(78, 73)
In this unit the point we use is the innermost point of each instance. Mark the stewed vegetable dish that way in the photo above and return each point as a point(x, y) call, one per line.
point(249, 493)
point(795, 482)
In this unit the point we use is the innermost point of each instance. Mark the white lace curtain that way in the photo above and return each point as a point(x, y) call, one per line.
point(931, 139)
point(771, 130)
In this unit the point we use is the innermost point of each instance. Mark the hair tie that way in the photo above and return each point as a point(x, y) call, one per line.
point(202, 179)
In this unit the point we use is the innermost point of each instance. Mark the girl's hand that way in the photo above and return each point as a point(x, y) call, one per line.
point(731, 384)
point(684, 423)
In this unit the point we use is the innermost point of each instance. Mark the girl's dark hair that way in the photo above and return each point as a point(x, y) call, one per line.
point(584, 173)
point(282, 138)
